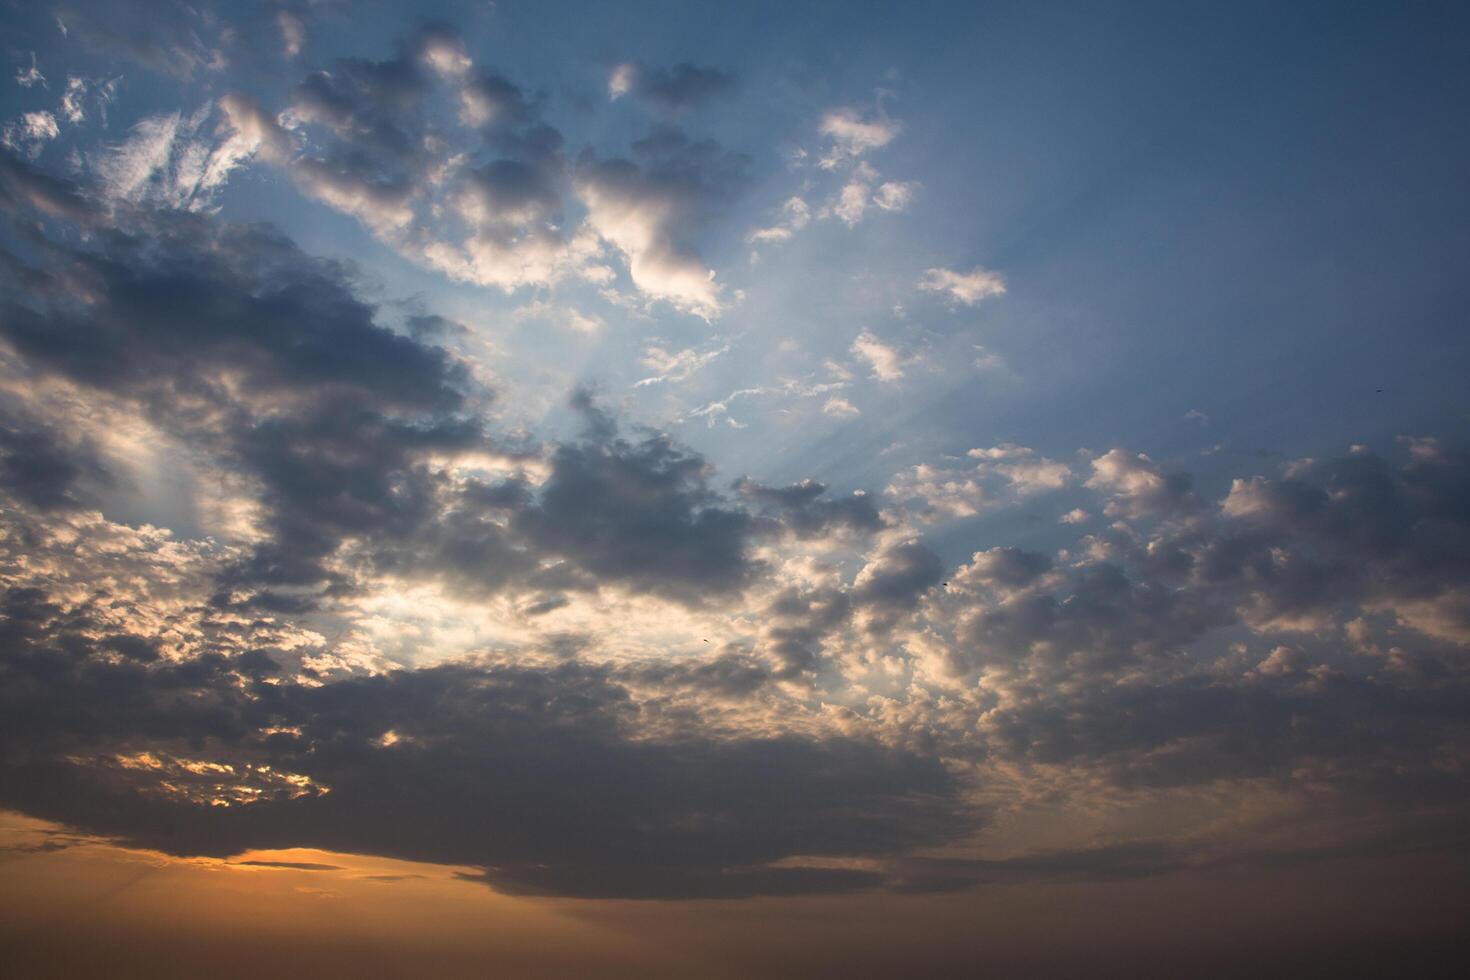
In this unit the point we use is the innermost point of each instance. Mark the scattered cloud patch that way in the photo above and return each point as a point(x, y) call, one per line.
point(968, 288)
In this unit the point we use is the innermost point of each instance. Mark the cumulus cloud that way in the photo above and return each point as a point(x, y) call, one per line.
point(649, 205)
point(1138, 487)
point(1000, 475)
point(691, 687)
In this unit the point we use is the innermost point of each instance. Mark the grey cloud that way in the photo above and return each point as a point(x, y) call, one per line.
point(681, 87)
point(171, 38)
point(42, 468)
point(1125, 666)
point(640, 513)
point(896, 578)
point(535, 775)
point(802, 508)
point(1009, 567)
point(330, 411)
point(25, 189)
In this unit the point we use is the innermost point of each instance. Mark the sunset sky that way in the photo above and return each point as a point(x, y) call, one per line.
point(544, 489)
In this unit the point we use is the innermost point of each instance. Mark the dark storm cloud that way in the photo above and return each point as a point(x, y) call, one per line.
point(537, 775)
point(684, 86)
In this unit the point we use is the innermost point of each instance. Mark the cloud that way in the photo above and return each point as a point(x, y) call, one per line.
point(599, 812)
point(895, 195)
point(177, 161)
point(620, 82)
point(853, 136)
point(795, 214)
point(28, 76)
point(171, 38)
point(640, 514)
point(1001, 475)
point(884, 361)
point(968, 288)
point(648, 207)
point(30, 133)
point(81, 91)
point(803, 508)
point(1138, 487)
point(677, 365)
point(680, 88)
point(293, 33)
point(278, 325)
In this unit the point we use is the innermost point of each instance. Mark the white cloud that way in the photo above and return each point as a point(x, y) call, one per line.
point(964, 287)
point(852, 202)
point(1001, 474)
point(840, 408)
point(638, 225)
point(675, 365)
point(885, 361)
point(620, 81)
point(795, 214)
point(716, 411)
point(853, 136)
point(569, 318)
point(895, 195)
point(79, 90)
point(171, 161)
point(26, 77)
point(30, 133)
point(584, 322)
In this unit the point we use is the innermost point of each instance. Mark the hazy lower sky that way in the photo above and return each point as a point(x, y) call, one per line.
point(660, 489)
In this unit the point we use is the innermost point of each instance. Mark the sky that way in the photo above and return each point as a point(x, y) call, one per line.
point(771, 489)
